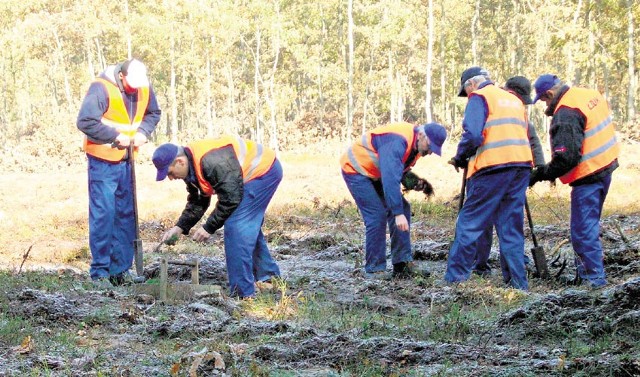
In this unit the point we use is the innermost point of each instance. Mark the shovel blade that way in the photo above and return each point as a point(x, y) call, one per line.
point(540, 262)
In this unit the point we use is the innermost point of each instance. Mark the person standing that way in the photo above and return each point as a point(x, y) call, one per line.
point(520, 86)
point(495, 151)
point(119, 109)
point(244, 175)
point(373, 169)
point(584, 154)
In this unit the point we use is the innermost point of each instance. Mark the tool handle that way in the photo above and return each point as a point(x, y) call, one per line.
point(530, 221)
point(137, 242)
point(463, 188)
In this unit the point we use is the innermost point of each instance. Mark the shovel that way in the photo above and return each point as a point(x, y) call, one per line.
point(137, 242)
point(537, 251)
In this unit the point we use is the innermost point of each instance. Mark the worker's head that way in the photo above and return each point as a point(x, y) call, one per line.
point(431, 136)
point(171, 162)
point(470, 80)
point(521, 86)
point(546, 86)
point(133, 75)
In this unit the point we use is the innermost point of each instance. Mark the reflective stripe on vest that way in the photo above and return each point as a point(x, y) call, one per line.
point(117, 117)
point(600, 146)
point(362, 158)
point(255, 159)
point(505, 137)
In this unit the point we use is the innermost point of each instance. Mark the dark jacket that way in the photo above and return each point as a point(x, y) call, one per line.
point(567, 135)
point(222, 170)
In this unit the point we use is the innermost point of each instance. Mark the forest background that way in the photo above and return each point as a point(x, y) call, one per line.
point(291, 73)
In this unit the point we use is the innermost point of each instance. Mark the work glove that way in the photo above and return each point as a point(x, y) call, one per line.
point(411, 181)
point(537, 175)
point(458, 163)
point(424, 186)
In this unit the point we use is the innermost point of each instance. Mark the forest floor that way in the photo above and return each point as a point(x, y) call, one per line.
point(323, 318)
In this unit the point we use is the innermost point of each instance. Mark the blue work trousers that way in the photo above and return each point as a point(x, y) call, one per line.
point(586, 208)
point(369, 198)
point(492, 198)
point(111, 219)
point(245, 248)
point(483, 248)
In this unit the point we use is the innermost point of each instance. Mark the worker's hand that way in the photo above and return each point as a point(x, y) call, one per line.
point(200, 235)
point(175, 231)
point(424, 186)
point(122, 141)
point(401, 223)
point(139, 139)
point(458, 163)
point(536, 176)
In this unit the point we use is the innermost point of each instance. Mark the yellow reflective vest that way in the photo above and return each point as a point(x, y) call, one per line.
point(117, 116)
point(255, 159)
point(505, 137)
point(362, 158)
point(599, 147)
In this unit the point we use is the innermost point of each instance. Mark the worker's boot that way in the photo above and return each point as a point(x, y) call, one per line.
point(407, 270)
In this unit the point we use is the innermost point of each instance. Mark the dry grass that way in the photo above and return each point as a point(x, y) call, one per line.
point(49, 210)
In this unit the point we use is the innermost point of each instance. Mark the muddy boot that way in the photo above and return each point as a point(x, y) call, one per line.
point(123, 278)
point(102, 284)
point(378, 275)
point(407, 270)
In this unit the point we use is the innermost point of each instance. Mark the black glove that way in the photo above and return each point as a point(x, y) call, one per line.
point(409, 180)
point(424, 186)
point(537, 175)
point(458, 163)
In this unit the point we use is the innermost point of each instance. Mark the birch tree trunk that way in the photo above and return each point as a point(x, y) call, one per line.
point(350, 73)
point(633, 82)
point(428, 99)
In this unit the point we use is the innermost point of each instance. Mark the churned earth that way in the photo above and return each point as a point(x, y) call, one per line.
point(324, 319)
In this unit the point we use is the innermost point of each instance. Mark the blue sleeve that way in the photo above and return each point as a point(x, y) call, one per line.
point(89, 120)
point(151, 115)
point(391, 149)
point(475, 116)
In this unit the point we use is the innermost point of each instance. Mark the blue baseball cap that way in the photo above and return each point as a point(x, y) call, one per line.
point(543, 84)
point(163, 158)
point(436, 134)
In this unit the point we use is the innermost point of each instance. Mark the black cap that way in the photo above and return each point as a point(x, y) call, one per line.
point(469, 73)
point(521, 86)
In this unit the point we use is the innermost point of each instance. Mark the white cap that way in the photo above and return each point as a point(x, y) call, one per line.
point(136, 74)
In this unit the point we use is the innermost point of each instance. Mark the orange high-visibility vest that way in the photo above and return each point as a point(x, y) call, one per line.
point(255, 159)
point(362, 158)
point(117, 116)
point(505, 137)
point(599, 147)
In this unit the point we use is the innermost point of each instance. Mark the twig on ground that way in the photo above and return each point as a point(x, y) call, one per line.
point(24, 258)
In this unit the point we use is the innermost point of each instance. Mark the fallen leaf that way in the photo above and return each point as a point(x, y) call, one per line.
point(25, 347)
point(175, 368)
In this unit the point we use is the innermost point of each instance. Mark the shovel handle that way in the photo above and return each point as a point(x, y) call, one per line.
point(463, 188)
point(530, 221)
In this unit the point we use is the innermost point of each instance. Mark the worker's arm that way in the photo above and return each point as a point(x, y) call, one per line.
point(194, 210)
point(89, 121)
point(475, 117)
point(567, 135)
point(222, 169)
point(151, 115)
point(536, 147)
point(391, 149)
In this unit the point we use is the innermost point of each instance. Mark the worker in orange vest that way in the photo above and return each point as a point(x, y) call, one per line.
point(584, 154)
point(119, 108)
point(244, 176)
point(373, 168)
point(520, 86)
point(495, 151)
